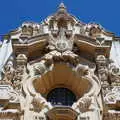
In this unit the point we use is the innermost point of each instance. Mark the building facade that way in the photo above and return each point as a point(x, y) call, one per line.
point(61, 69)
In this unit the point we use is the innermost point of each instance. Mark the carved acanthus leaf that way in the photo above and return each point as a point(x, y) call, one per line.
point(83, 104)
point(39, 103)
point(113, 96)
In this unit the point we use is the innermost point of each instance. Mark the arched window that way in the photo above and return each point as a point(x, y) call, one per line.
point(61, 96)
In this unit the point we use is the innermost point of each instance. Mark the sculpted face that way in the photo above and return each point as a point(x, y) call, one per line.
point(61, 45)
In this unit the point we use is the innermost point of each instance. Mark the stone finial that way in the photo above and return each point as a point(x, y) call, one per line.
point(100, 58)
point(62, 7)
point(21, 58)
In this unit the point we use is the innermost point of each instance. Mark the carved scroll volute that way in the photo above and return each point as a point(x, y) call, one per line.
point(21, 63)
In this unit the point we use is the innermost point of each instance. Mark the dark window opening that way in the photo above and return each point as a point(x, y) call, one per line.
point(61, 96)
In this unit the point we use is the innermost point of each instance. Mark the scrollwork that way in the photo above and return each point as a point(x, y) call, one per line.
point(39, 103)
point(113, 96)
point(83, 104)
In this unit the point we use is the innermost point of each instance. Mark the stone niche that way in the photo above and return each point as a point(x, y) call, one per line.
point(61, 76)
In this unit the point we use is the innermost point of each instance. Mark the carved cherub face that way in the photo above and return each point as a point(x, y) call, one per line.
point(39, 68)
point(115, 69)
point(61, 45)
point(8, 66)
point(82, 70)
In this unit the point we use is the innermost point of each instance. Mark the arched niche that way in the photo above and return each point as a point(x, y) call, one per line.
point(61, 97)
point(62, 75)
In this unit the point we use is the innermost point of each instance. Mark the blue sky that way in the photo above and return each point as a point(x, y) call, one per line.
point(104, 12)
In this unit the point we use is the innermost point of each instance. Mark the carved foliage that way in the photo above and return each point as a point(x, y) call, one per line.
point(7, 92)
point(39, 103)
point(83, 104)
point(113, 96)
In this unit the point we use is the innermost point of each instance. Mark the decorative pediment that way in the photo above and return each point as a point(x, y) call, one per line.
point(60, 54)
point(61, 31)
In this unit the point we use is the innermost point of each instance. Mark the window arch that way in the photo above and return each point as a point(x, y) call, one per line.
point(61, 96)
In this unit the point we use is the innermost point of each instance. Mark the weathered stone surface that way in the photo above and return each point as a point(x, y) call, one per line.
point(75, 49)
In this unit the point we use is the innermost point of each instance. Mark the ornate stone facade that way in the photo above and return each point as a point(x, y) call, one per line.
point(61, 52)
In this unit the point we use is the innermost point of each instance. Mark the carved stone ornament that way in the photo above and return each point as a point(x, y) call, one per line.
point(39, 103)
point(61, 43)
point(94, 29)
point(113, 96)
point(9, 73)
point(39, 68)
point(83, 104)
point(88, 108)
point(114, 75)
point(7, 92)
point(20, 71)
point(82, 70)
point(102, 69)
point(61, 52)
